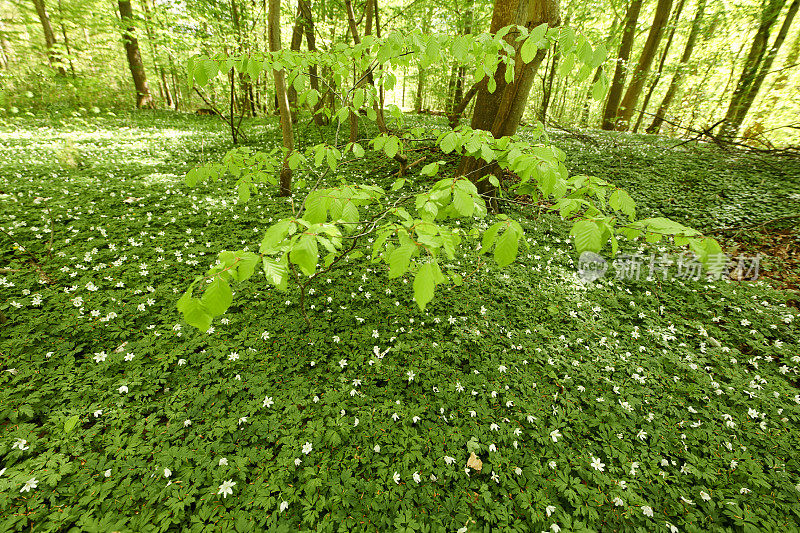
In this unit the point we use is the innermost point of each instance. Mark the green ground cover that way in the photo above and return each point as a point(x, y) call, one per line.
point(615, 406)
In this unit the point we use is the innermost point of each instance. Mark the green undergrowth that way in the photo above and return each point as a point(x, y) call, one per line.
point(610, 406)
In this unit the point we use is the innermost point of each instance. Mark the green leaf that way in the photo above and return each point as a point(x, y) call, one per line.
point(305, 254)
point(392, 146)
point(448, 144)
point(277, 272)
point(529, 49)
point(463, 203)
point(398, 261)
point(489, 236)
point(505, 251)
point(587, 236)
point(424, 285)
point(195, 314)
point(358, 150)
point(70, 423)
point(274, 235)
point(217, 296)
point(398, 184)
point(431, 169)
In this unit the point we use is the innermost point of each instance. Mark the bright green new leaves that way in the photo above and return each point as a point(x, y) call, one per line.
point(305, 254)
point(587, 236)
point(622, 201)
point(400, 259)
point(424, 284)
point(218, 296)
point(505, 236)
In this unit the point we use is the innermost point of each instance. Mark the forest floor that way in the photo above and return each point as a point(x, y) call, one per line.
point(622, 404)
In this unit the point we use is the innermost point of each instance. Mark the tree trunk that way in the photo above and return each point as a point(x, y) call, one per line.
point(49, 36)
point(779, 84)
point(754, 73)
point(548, 87)
point(672, 27)
point(285, 183)
point(419, 98)
point(677, 78)
point(308, 26)
point(6, 52)
point(66, 39)
point(628, 104)
point(587, 99)
point(458, 94)
point(143, 96)
point(621, 70)
point(163, 87)
point(500, 112)
point(245, 101)
point(297, 40)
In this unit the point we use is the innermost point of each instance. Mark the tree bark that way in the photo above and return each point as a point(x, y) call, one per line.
point(66, 38)
point(163, 87)
point(677, 78)
point(6, 51)
point(458, 94)
point(548, 87)
point(664, 53)
point(628, 104)
point(285, 181)
point(587, 99)
point(419, 98)
point(500, 112)
point(621, 70)
point(753, 77)
point(311, 42)
point(780, 82)
point(297, 40)
point(49, 36)
point(143, 96)
point(244, 85)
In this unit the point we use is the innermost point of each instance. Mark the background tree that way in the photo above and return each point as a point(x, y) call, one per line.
point(758, 63)
point(621, 68)
point(628, 104)
point(143, 96)
point(49, 36)
point(680, 73)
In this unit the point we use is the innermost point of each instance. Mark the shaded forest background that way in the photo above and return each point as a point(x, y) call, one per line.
point(680, 67)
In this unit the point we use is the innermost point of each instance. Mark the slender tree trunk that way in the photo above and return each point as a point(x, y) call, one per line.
point(677, 78)
point(6, 50)
point(741, 103)
point(621, 70)
point(628, 104)
point(285, 182)
point(587, 99)
point(458, 94)
point(163, 89)
point(664, 53)
point(49, 36)
point(401, 158)
point(500, 111)
point(66, 39)
point(381, 93)
point(308, 27)
point(297, 40)
point(143, 96)
point(548, 87)
point(419, 98)
point(244, 85)
point(776, 90)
